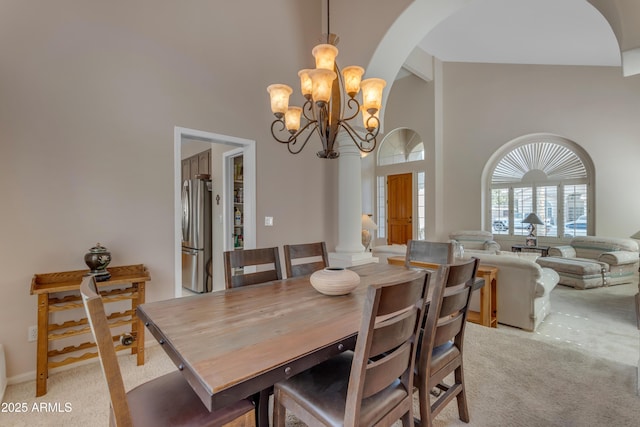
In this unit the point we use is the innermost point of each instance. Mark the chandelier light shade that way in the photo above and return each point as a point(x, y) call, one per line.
point(330, 104)
point(372, 94)
point(321, 85)
point(279, 99)
point(368, 124)
point(352, 77)
point(325, 55)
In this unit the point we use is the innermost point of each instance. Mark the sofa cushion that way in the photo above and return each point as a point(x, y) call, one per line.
point(562, 251)
point(577, 266)
point(619, 257)
point(580, 273)
point(593, 246)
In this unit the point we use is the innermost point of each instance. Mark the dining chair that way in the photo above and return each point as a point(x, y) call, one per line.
point(431, 252)
point(266, 261)
point(168, 400)
point(305, 258)
point(442, 340)
point(373, 384)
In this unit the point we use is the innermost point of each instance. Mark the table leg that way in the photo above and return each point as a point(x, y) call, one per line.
point(493, 319)
point(42, 357)
point(138, 327)
point(261, 400)
point(485, 298)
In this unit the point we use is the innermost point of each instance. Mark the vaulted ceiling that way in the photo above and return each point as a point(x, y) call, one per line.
point(561, 32)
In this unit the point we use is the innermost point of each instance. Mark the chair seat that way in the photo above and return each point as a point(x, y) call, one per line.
point(322, 390)
point(442, 355)
point(170, 401)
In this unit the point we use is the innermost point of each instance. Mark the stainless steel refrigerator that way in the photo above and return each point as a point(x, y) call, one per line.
point(196, 235)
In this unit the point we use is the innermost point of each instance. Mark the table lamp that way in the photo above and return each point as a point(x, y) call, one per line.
point(367, 226)
point(532, 219)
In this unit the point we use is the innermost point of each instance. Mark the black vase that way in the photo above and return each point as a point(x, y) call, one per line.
point(97, 259)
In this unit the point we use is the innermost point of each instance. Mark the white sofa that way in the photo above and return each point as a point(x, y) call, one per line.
point(471, 242)
point(522, 288)
point(474, 242)
point(593, 261)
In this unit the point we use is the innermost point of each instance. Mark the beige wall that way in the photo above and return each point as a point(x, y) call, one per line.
point(91, 92)
point(487, 105)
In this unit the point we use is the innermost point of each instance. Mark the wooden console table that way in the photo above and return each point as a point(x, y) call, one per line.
point(488, 314)
point(49, 288)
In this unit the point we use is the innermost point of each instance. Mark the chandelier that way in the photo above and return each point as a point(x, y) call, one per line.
point(324, 110)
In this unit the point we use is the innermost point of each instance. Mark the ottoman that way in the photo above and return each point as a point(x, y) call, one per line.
point(580, 273)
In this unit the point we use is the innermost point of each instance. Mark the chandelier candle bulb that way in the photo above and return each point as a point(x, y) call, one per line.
point(322, 82)
point(325, 55)
point(372, 94)
point(279, 98)
point(352, 78)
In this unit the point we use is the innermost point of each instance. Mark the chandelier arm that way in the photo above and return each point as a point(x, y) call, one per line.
point(292, 137)
point(292, 151)
point(369, 138)
point(282, 128)
point(356, 110)
point(307, 109)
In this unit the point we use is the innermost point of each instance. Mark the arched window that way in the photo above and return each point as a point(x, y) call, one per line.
point(400, 146)
point(545, 174)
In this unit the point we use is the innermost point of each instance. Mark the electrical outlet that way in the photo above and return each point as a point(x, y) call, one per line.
point(32, 334)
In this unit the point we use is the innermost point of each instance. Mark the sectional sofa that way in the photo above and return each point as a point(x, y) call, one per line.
point(592, 261)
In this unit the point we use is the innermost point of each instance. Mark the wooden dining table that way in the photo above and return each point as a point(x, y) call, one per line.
point(237, 343)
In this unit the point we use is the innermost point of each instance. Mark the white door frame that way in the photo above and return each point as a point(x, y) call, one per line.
point(249, 167)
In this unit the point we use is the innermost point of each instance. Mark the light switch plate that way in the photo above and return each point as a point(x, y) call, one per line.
point(268, 221)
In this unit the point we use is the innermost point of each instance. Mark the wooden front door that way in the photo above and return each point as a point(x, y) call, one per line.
point(399, 208)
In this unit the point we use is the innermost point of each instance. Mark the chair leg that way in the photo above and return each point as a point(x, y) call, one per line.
point(407, 419)
point(425, 405)
point(463, 410)
point(279, 411)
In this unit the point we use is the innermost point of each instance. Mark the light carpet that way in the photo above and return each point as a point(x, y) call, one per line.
point(579, 374)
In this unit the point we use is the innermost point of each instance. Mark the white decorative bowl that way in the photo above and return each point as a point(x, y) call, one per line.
point(335, 281)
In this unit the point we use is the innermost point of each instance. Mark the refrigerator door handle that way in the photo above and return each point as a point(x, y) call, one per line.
point(186, 211)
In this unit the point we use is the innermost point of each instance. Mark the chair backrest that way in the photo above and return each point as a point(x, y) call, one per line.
point(313, 255)
point(433, 252)
point(108, 359)
point(260, 258)
point(392, 316)
point(447, 314)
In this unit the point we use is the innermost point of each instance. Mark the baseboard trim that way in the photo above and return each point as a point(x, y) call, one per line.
point(31, 375)
point(3, 373)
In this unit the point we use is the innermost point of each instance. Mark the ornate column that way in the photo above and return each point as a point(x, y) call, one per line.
point(349, 250)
